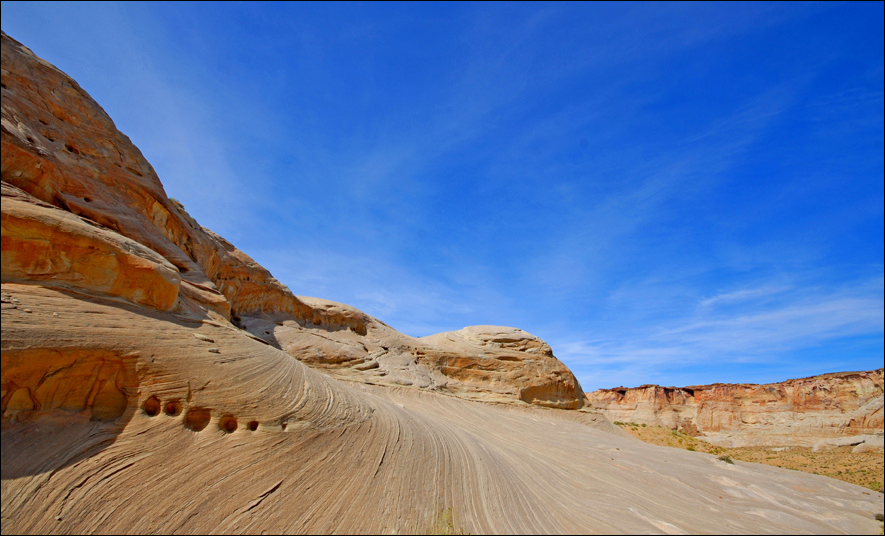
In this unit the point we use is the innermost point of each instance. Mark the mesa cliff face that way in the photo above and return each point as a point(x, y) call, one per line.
point(798, 412)
point(155, 379)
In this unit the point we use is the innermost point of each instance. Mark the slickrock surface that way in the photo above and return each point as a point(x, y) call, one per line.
point(328, 456)
point(122, 236)
point(489, 363)
point(801, 412)
point(149, 385)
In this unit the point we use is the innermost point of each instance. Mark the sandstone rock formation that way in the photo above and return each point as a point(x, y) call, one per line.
point(798, 412)
point(72, 175)
point(861, 443)
point(149, 385)
point(52, 246)
point(489, 363)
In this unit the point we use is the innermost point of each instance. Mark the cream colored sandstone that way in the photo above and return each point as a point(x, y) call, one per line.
point(123, 414)
point(52, 150)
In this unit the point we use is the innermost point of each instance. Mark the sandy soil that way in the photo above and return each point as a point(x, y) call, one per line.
point(235, 436)
point(865, 469)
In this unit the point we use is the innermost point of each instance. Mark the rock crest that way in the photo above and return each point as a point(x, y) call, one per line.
point(799, 412)
point(83, 209)
point(149, 385)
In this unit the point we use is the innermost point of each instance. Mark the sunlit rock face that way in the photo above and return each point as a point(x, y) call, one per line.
point(61, 148)
point(54, 247)
point(510, 359)
point(149, 385)
point(83, 209)
point(490, 363)
point(797, 412)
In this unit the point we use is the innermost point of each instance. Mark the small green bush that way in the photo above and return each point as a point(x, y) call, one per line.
point(445, 524)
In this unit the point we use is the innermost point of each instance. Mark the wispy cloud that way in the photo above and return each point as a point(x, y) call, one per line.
point(742, 295)
point(643, 194)
point(754, 333)
point(637, 184)
point(802, 324)
point(386, 290)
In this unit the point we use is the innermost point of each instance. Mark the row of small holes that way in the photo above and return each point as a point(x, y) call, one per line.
point(195, 419)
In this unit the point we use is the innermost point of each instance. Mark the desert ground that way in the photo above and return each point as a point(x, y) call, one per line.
point(865, 469)
point(155, 379)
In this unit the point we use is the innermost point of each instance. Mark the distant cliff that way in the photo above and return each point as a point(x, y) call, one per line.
point(794, 412)
point(155, 379)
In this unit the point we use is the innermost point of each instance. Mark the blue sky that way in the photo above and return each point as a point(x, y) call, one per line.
point(666, 193)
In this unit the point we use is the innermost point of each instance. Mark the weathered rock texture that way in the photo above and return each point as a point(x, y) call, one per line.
point(83, 209)
point(798, 412)
point(149, 385)
point(44, 244)
point(489, 363)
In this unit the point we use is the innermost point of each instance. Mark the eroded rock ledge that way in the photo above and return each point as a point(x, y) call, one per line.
point(797, 412)
point(134, 400)
point(84, 210)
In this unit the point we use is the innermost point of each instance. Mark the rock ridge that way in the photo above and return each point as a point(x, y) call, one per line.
point(83, 209)
point(155, 379)
point(796, 412)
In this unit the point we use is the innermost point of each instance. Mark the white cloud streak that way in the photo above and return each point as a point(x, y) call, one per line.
point(756, 333)
point(742, 295)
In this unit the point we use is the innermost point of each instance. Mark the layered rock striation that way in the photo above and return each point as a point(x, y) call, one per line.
point(84, 210)
point(155, 379)
point(799, 412)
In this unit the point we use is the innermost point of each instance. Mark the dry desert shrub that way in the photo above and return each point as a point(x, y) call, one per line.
point(445, 524)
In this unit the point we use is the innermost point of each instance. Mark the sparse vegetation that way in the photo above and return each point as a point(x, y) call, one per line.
point(866, 469)
point(445, 524)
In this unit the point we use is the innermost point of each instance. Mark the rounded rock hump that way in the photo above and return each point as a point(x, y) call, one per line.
point(487, 363)
point(507, 361)
point(157, 379)
point(494, 337)
point(123, 237)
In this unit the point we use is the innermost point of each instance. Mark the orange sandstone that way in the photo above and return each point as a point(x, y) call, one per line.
point(157, 379)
